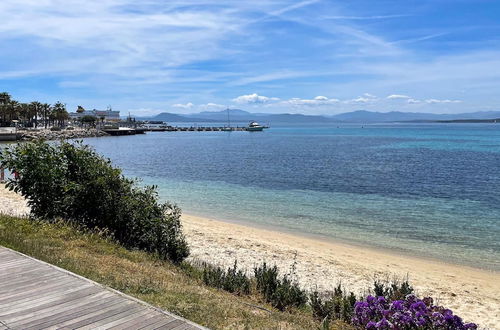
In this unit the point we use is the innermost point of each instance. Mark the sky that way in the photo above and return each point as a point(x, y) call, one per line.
point(273, 56)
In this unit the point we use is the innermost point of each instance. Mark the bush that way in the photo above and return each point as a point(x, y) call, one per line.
point(338, 306)
point(232, 280)
point(394, 290)
point(280, 292)
point(72, 182)
point(55, 129)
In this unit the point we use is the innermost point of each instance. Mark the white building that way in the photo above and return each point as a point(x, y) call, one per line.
point(108, 115)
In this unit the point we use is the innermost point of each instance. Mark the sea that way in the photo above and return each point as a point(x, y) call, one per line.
point(429, 190)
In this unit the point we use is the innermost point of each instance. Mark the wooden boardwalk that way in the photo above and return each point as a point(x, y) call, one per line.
point(37, 295)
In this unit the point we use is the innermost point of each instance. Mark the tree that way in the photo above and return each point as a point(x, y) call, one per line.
point(59, 113)
point(37, 109)
point(88, 120)
point(5, 100)
point(46, 110)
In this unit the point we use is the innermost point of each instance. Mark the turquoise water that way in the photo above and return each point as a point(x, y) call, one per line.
point(429, 190)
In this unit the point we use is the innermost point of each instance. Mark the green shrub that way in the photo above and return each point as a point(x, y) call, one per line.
point(337, 306)
point(280, 292)
point(72, 182)
point(394, 290)
point(232, 280)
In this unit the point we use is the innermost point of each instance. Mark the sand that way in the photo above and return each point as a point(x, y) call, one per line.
point(472, 293)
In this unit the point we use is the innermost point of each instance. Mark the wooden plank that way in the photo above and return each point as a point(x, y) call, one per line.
point(13, 286)
point(44, 289)
point(163, 323)
point(53, 313)
point(92, 319)
point(40, 323)
point(70, 302)
point(28, 303)
point(19, 269)
point(35, 295)
point(104, 323)
point(26, 280)
point(134, 323)
point(157, 317)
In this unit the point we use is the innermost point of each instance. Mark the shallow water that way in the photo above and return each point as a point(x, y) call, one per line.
point(430, 190)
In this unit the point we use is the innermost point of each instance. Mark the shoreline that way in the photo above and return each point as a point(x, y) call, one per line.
point(404, 253)
point(321, 264)
point(472, 293)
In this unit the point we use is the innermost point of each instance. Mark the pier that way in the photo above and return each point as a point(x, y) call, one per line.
point(141, 130)
point(8, 134)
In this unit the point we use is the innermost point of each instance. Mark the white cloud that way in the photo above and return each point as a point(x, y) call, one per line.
point(183, 106)
point(317, 101)
point(413, 101)
point(254, 99)
point(398, 97)
point(365, 98)
point(434, 101)
point(211, 105)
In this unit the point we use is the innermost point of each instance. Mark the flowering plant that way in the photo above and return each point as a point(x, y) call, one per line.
point(409, 313)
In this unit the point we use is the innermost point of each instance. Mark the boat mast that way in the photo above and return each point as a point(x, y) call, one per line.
point(228, 121)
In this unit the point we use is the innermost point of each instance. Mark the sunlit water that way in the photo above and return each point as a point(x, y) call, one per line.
point(429, 190)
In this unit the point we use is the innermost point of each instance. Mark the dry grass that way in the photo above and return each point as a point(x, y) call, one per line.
point(176, 289)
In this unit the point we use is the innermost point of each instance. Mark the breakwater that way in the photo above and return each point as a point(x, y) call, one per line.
point(57, 135)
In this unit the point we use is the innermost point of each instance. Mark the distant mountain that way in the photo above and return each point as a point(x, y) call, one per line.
point(398, 116)
point(360, 116)
point(172, 117)
point(237, 115)
point(222, 115)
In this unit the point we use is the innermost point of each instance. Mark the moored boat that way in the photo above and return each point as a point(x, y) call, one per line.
point(255, 127)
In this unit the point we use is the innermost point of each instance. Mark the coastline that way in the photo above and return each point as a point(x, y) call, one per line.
point(472, 293)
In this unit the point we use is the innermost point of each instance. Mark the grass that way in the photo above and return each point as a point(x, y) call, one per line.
point(177, 289)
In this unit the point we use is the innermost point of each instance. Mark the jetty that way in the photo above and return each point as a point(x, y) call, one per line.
point(36, 295)
point(9, 134)
point(141, 130)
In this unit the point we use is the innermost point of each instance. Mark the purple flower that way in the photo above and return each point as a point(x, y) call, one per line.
point(397, 305)
point(410, 313)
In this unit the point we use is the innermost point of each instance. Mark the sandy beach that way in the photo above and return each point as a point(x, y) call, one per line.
point(474, 294)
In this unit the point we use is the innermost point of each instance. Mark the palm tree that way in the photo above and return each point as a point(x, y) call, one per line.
point(5, 100)
point(46, 109)
point(37, 109)
point(60, 113)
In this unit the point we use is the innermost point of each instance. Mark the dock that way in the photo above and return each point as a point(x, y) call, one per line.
point(8, 134)
point(36, 295)
point(142, 130)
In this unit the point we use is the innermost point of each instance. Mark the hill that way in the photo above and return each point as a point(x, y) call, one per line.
point(360, 116)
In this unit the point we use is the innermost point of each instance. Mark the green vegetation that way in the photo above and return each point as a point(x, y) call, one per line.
point(281, 292)
point(179, 289)
point(32, 114)
point(336, 306)
point(72, 182)
point(233, 280)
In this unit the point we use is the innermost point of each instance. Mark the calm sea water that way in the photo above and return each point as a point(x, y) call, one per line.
point(430, 190)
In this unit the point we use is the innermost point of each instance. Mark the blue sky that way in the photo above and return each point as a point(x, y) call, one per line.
point(312, 56)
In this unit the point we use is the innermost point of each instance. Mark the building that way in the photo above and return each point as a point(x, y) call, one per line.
point(107, 115)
